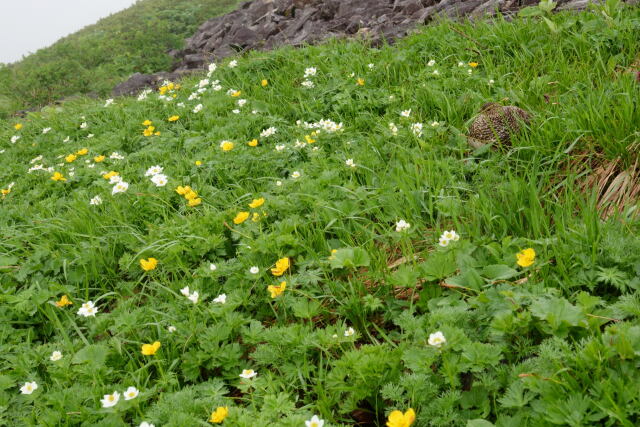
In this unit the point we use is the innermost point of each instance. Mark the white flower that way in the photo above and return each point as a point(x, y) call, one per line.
point(88, 309)
point(46, 130)
point(436, 73)
point(194, 297)
point(393, 128)
point(278, 183)
point(490, 82)
point(405, 113)
point(416, 128)
point(248, 373)
point(185, 291)
point(435, 124)
point(216, 87)
point(402, 225)
point(221, 299)
point(197, 108)
point(171, 328)
point(95, 201)
point(469, 71)
point(350, 163)
point(431, 63)
point(235, 111)
point(115, 179)
point(35, 159)
point(443, 242)
point(352, 75)
point(116, 156)
point(450, 235)
point(212, 267)
point(108, 102)
point(315, 421)
point(153, 170)
point(203, 83)
point(28, 387)
point(91, 165)
point(110, 400)
point(241, 102)
point(437, 339)
point(233, 64)
point(460, 64)
point(146, 424)
point(66, 139)
point(311, 71)
point(120, 187)
point(180, 104)
point(334, 336)
point(55, 356)
point(83, 125)
point(371, 66)
point(308, 84)
point(131, 393)
point(15, 139)
point(349, 332)
point(280, 147)
point(159, 180)
point(268, 132)
point(254, 270)
point(295, 175)
point(212, 67)
point(194, 95)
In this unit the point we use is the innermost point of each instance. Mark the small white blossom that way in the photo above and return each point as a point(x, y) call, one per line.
point(278, 183)
point(349, 332)
point(28, 387)
point(146, 424)
point(95, 201)
point(220, 299)
point(402, 225)
point(116, 156)
point(185, 291)
point(15, 139)
point(159, 180)
point(436, 73)
point(248, 373)
point(315, 421)
point(46, 130)
point(295, 175)
point(55, 356)
point(131, 393)
point(437, 339)
point(212, 67)
point(254, 270)
point(241, 102)
point(194, 297)
point(431, 63)
point(108, 102)
point(115, 179)
point(350, 163)
point(405, 113)
point(393, 128)
point(370, 66)
point(197, 108)
point(280, 147)
point(490, 82)
point(154, 170)
point(233, 64)
point(212, 267)
point(235, 111)
point(309, 72)
point(416, 128)
point(83, 125)
point(120, 187)
point(110, 400)
point(308, 84)
point(171, 328)
point(88, 309)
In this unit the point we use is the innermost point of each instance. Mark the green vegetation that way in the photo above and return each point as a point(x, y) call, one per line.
point(98, 57)
point(553, 341)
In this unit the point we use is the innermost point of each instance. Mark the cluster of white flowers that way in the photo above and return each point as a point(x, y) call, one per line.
point(197, 108)
point(116, 156)
point(40, 167)
point(349, 332)
point(193, 296)
point(327, 125)
point(88, 309)
point(416, 128)
point(268, 132)
point(212, 69)
point(350, 163)
point(402, 225)
point(309, 72)
point(157, 177)
point(110, 400)
point(143, 95)
point(393, 128)
point(448, 237)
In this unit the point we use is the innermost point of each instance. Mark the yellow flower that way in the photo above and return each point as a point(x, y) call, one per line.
point(282, 265)
point(219, 414)
point(194, 202)
point(183, 190)
point(150, 349)
point(57, 176)
point(360, 81)
point(237, 93)
point(70, 158)
point(198, 163)
point(18, 126)
point(309, 139)
point(255, 217)
point(473, 64)
point(276, 290)
point(256, 203)
point(253, 143)
point(64, 301)
point(148, 131)
point(264, 82)
point(190, 195)
point(226, 145)
point(147, 123)
point(333, 251)
point(110, 175)
point(526, 257)
point(148, 264)
point(163, 90)
point(173, 118)
point(398, 419)
point(241, 217)
point(5, 191)
point(157, 134)
point(82, 151)
point(171, 86)
point(99, 159)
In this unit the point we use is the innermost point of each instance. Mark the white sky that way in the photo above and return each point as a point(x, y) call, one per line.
point(28, 25)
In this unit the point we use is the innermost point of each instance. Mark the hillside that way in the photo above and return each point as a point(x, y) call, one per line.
point(305, 235)
point(96, 58)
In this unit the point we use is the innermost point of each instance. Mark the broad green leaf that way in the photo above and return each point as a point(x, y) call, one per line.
point(499, 272)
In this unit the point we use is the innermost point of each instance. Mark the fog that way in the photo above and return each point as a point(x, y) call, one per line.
point(29, 25)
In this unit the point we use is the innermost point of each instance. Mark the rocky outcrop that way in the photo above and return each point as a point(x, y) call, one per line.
point(266, 24)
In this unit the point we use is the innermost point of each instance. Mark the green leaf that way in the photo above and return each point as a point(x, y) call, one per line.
point(438, 266)
point(499, 272)
point(469, 279)
point(558, 313)
point(94, 355)
point(478, 422)
point(305, 308)
point(350, 258)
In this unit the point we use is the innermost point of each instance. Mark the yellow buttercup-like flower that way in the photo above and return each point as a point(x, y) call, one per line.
point(226, 145)
point(99, 159)
point(282, 265)
point(360, 82)
point(183, 190)
point(148, 264)
point(198, 163)
point(191, 195)
point(18, 126)
point(70, 158)
point(236, 94)
point(147, 123)
point(264, 82)
point(82, 152)
point(255, 217)
point(194, 202)
point(473, 64)
point(309, 139)
point(240, 217)
point(57, 176)
point(219, 414)
point(110, 175)
point(398, 419)
point(253, 143)
point(276, 290)
point(173, 118)
point(63, 302)
point(526, 257)
point(150, 349)
point(256, 203)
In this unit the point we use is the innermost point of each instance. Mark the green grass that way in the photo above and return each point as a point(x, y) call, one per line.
point(554, 343)
point(95, 59)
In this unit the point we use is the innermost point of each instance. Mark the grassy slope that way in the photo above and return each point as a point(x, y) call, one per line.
point(96, 58)
point(552, 344)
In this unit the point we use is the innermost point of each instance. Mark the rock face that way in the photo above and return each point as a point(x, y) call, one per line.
point(266, 24)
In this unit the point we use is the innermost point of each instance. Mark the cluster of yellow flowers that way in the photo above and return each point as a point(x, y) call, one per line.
point(73, 156)
point(189, 194)
point(149, 130)
point(244, 215)
point(168, 88)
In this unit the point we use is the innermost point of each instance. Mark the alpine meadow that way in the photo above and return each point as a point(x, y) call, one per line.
point(305, 237)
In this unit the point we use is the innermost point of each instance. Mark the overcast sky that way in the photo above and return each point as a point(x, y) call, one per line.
point(28, 25)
